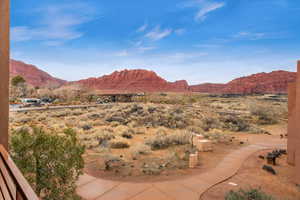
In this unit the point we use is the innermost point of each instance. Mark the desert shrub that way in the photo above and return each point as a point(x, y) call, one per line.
point(111, 162)
point(195, 129)
point(162, 141)
point(102, 136)
point(264, 114)
point(180, 137)
point(235, 123)
point(210, 123)
point(124, 132)
point(115, 118)
point(118, 143)
point(127, 135)
point(253, 194)
point(23, 119)
point(60, 113)
point(140, 149)
point(52, 163)
point(217, 136)
point(99, 138)
point(140, 131)
point(86, 127)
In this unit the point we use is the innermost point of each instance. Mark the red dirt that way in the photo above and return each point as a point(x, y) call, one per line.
point(208, 160)
point(251, 175)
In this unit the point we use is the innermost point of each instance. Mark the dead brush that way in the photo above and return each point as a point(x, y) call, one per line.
point(235, 123)
point(162, 141)
point(264, 114)
point(140, 149)
point(119, 143)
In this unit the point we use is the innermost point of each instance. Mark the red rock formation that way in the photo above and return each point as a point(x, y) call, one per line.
point(33, 75)
point(273, 82)
point(208, 88)
point(135, 80)
point(148, 81)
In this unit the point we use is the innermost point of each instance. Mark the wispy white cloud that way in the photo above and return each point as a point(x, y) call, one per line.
point(20, 33)
point(122, 53)
point(180, 31)
point(143, 49)
point(209, 7)
point(157, 33)
point(142, 28)
point(250, 35)
point(204, 7)
point(207, 45)
point(57, 23)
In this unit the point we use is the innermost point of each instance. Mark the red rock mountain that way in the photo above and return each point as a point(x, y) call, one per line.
point(273, 82)
point(33, 75)
point(208, 88)
point(148, 81)
point(134, 80)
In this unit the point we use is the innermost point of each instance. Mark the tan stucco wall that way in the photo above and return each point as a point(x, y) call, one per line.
point(291, 145)
point(294, 125)
point(4, 71)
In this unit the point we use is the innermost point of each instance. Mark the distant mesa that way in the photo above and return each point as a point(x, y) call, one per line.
point(261, 83)
point(33, 75)
point(140, 80)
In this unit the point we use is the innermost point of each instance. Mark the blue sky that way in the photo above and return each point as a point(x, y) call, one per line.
point(197, 40)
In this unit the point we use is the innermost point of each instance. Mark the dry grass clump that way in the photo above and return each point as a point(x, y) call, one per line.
point(264, 114)
point(211, 123)
point(235, 123)
point(140, 149)
point(162, 140)
point(124, 132)
point(118, 143)
point(148, 116)
point(23, 119)
point(60, 113)
point(98, 138)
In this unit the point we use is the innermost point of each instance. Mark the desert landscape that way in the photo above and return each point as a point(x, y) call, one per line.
point(150, 136)
point(149, 100)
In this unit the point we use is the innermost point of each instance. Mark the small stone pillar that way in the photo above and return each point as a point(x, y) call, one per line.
point(196, 138)
point(193, 160)
point(204, 145)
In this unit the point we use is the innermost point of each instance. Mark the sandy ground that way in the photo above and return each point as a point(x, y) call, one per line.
point(208, 160)
point(251, 174)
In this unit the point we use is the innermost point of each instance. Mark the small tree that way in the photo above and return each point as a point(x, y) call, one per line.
point(17, 80)
point(51, 163)
point(19, 88)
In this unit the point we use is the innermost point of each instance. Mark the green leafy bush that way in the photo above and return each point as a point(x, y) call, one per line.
point(50, 162)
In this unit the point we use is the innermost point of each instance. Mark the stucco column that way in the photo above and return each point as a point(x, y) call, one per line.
point(4, 71)
point(292, 123)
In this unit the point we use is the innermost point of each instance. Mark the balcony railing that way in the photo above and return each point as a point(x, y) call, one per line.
point(13, 185)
